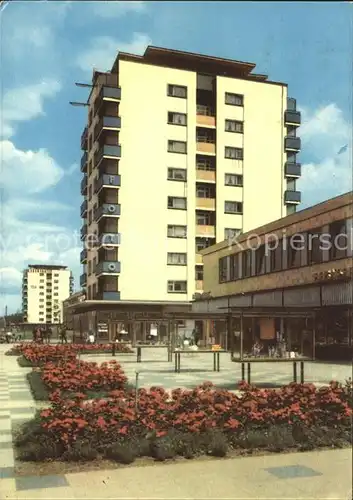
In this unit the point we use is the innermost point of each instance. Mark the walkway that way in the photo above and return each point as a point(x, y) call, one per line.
point(325, 474)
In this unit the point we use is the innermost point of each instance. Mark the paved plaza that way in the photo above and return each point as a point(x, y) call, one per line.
point(325, 474)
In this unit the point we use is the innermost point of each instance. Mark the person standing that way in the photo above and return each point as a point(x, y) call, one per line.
point(115, 341)
point(91, 338)
point(63, 335)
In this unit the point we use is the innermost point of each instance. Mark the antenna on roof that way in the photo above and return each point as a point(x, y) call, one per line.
point(84, 84)
point(82, 104)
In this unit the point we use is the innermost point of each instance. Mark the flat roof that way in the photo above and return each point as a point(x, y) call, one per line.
point(192, 61)
point(46, 266)
point(307, 213)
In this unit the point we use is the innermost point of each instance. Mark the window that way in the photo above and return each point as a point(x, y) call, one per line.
point(177, 118)
point(233, 153)
point(90, 192)
point(234, 126)
point(223, 269)
point(204, 219)
point(231, 233)
point(177, 174)
point(338, 239)
point(176, 203)
point(177, 91)
point(314, 248)
point(41, 274)
point(41, 306)
point(177, 147)
point(176, 259)
point(41, 300)
point(233, 207)
point(234, 99)
point(205, 164)
point(275, 255)
point(56, 281)
point(41, 281)
point(234, 271)
point(246, 263)
point(260, 260)
point(205, 191)
point(202, 243)
point(177, 286)
point(177, 231)
point(199, 273)
point(56, 275)
point(56, 288)
point(41, 293)
point(295, 247)
point(233, 180)
point(42, 287)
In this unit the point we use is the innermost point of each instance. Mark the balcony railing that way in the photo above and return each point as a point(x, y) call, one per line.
point(107, 181)
point(198, 259)
point(108, 267)
point(205, 145)
point(107, 123)
point(292, 117)
point(109, 239)
point(83, 256)
point(84, 208)
point(83, 279)
point(84, 159)
point(292, 197)
point(84, 137)
point(205, 116)
point(205, 203)
point(203, 230)
point(107, 151)
point(292, 143)
point(108, 296)
point(205, 175)
point(107, 210)
point(112, 94)
point(199, 285)
point(84, 186)
point(84, 231)
point(293, 169)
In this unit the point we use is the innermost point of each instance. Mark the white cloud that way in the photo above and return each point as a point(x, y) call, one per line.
point(10, 276)
point(33, 171)
point(111, 9)
point(25, 103)
point(323, 133)
point(103, 50)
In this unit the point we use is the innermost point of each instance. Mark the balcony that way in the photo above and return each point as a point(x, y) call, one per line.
point(107, 181)
point(107, 123)
point(83, 279)
point(205, 204)
point(293, 169)
point(205, 231)
point(198, 259)
point(292, 117)
point(108, 296)
point(199, 285)
point(84, 208)
point(84, 231)
point(83, 256)
point(84, 159)
point(205, 147)
point(109, 239)
point(292, 197)
point(107, 151)
point(84, 136)
point(107, 210)
point(292, 143)
point(205, 175)
point(112, 94)
point(108, 267)
point(84, 186)
point(205, 116)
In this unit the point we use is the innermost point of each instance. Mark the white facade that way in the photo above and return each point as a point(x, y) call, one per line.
point(216, 195)
point(44, 289)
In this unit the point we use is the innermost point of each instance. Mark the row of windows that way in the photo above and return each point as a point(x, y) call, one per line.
point(176, 231)
point(302, 249)
point(230, 152)
point(42, 281)
point(180, 174)
point(175, 118)
point(180, 203)
point(182, 92)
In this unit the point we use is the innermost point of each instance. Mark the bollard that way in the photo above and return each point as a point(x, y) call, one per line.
point(136, 389)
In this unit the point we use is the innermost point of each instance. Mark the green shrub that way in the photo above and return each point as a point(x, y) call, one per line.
point(43, 449)
point(124, 453)
point(80, 452)
point(162, 449)
point(24, 363)
point(38, 388)
point(280, 438)
point(217, 444)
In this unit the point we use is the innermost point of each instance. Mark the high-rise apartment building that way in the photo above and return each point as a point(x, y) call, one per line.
point(44, 288)
point(181, 151)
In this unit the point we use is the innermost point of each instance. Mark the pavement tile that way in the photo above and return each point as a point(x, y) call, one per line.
point(7, 473)
point(40, 482)
point(293, 471)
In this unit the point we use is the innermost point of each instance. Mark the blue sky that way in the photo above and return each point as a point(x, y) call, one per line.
point(48, 46)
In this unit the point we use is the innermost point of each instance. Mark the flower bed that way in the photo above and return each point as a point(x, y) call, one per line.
point(38, 354)
point(188, 423)
point(74, 376)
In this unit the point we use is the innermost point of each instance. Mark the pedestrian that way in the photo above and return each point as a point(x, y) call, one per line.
point(8, 336)
point(91, 338)
point(49, 334)
point(115, 342)
point(63, 335)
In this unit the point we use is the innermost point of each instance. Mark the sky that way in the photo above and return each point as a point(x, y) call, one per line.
point(47, 46)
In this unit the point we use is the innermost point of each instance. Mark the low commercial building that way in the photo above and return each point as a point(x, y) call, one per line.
point(300, 263)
